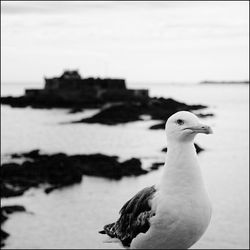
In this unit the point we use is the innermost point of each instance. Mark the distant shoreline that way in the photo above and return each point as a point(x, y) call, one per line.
point(224, 82)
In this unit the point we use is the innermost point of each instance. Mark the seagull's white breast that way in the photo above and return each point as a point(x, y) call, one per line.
point(182, 207)
point(178, 224)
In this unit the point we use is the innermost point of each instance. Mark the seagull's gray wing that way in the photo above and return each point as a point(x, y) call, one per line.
point(134, 217)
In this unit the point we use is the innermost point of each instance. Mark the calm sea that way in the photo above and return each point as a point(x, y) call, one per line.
point(71, 217)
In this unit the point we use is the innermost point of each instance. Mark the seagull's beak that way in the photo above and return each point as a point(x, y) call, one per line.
point(200, 129)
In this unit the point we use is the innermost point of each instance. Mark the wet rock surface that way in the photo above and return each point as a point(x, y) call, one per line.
point(48, 102)
point(156, 165)
point(115, 113)
point(201, 115)
point(5, 211)
point(158, 126)
point(156, 108)
point(60, 170)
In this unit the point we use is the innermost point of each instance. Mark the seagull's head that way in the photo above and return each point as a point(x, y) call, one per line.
point(184, 126)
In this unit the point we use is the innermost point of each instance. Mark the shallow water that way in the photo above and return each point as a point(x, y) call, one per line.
point(71, 217)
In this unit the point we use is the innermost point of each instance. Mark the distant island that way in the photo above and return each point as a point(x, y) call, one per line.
point(71, 90)
point(116, 102)
point(70, 86)
point(224, 82)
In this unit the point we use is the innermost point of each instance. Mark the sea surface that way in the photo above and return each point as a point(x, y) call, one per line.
point(72, 216)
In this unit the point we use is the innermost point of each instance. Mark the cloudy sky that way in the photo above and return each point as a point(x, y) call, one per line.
point(170, 41)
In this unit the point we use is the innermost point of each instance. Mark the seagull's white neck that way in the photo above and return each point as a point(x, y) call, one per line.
point(182, 171)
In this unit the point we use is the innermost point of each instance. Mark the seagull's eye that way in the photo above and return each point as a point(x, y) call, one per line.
point(180, 122)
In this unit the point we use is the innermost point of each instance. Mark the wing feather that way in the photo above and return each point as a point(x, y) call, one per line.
point(134, 217)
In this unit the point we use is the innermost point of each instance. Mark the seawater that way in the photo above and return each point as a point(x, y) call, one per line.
point(72, 216)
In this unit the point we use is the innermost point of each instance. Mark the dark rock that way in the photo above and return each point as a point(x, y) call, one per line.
point(3, 218)
point(197, 147)
point(132, 167)
point(125, 111)
point(4, 236)
point(15, 155)
point(107, 166)
point(8, 190)
point(162, 109)
point(60, 170)
point(32, 154)
point(47, 102)
point(12, 209)
point(158, 126)
point(50, 189)
point(5, 211)
point(97, 165)
point(156, 165)
point(156, 108)
point(75, 110)
point(201, 115)
point(164, 149)
point(71, 91)
point(116, 114)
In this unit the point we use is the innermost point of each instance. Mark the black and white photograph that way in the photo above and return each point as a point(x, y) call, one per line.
point(124, 125)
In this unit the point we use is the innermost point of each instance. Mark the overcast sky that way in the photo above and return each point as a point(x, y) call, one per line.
point(170, 41)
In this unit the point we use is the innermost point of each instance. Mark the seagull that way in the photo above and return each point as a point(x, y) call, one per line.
point(175, 213)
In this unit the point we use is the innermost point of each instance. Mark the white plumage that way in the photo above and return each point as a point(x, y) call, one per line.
point(175, 213)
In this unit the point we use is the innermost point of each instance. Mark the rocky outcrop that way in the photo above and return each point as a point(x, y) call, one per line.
point(156, 108)
point(156, 165)
point(112, 113)
point(60, 170)
point(116, 114)
point(48, 102)
point(158, 126)
point(5, 211)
